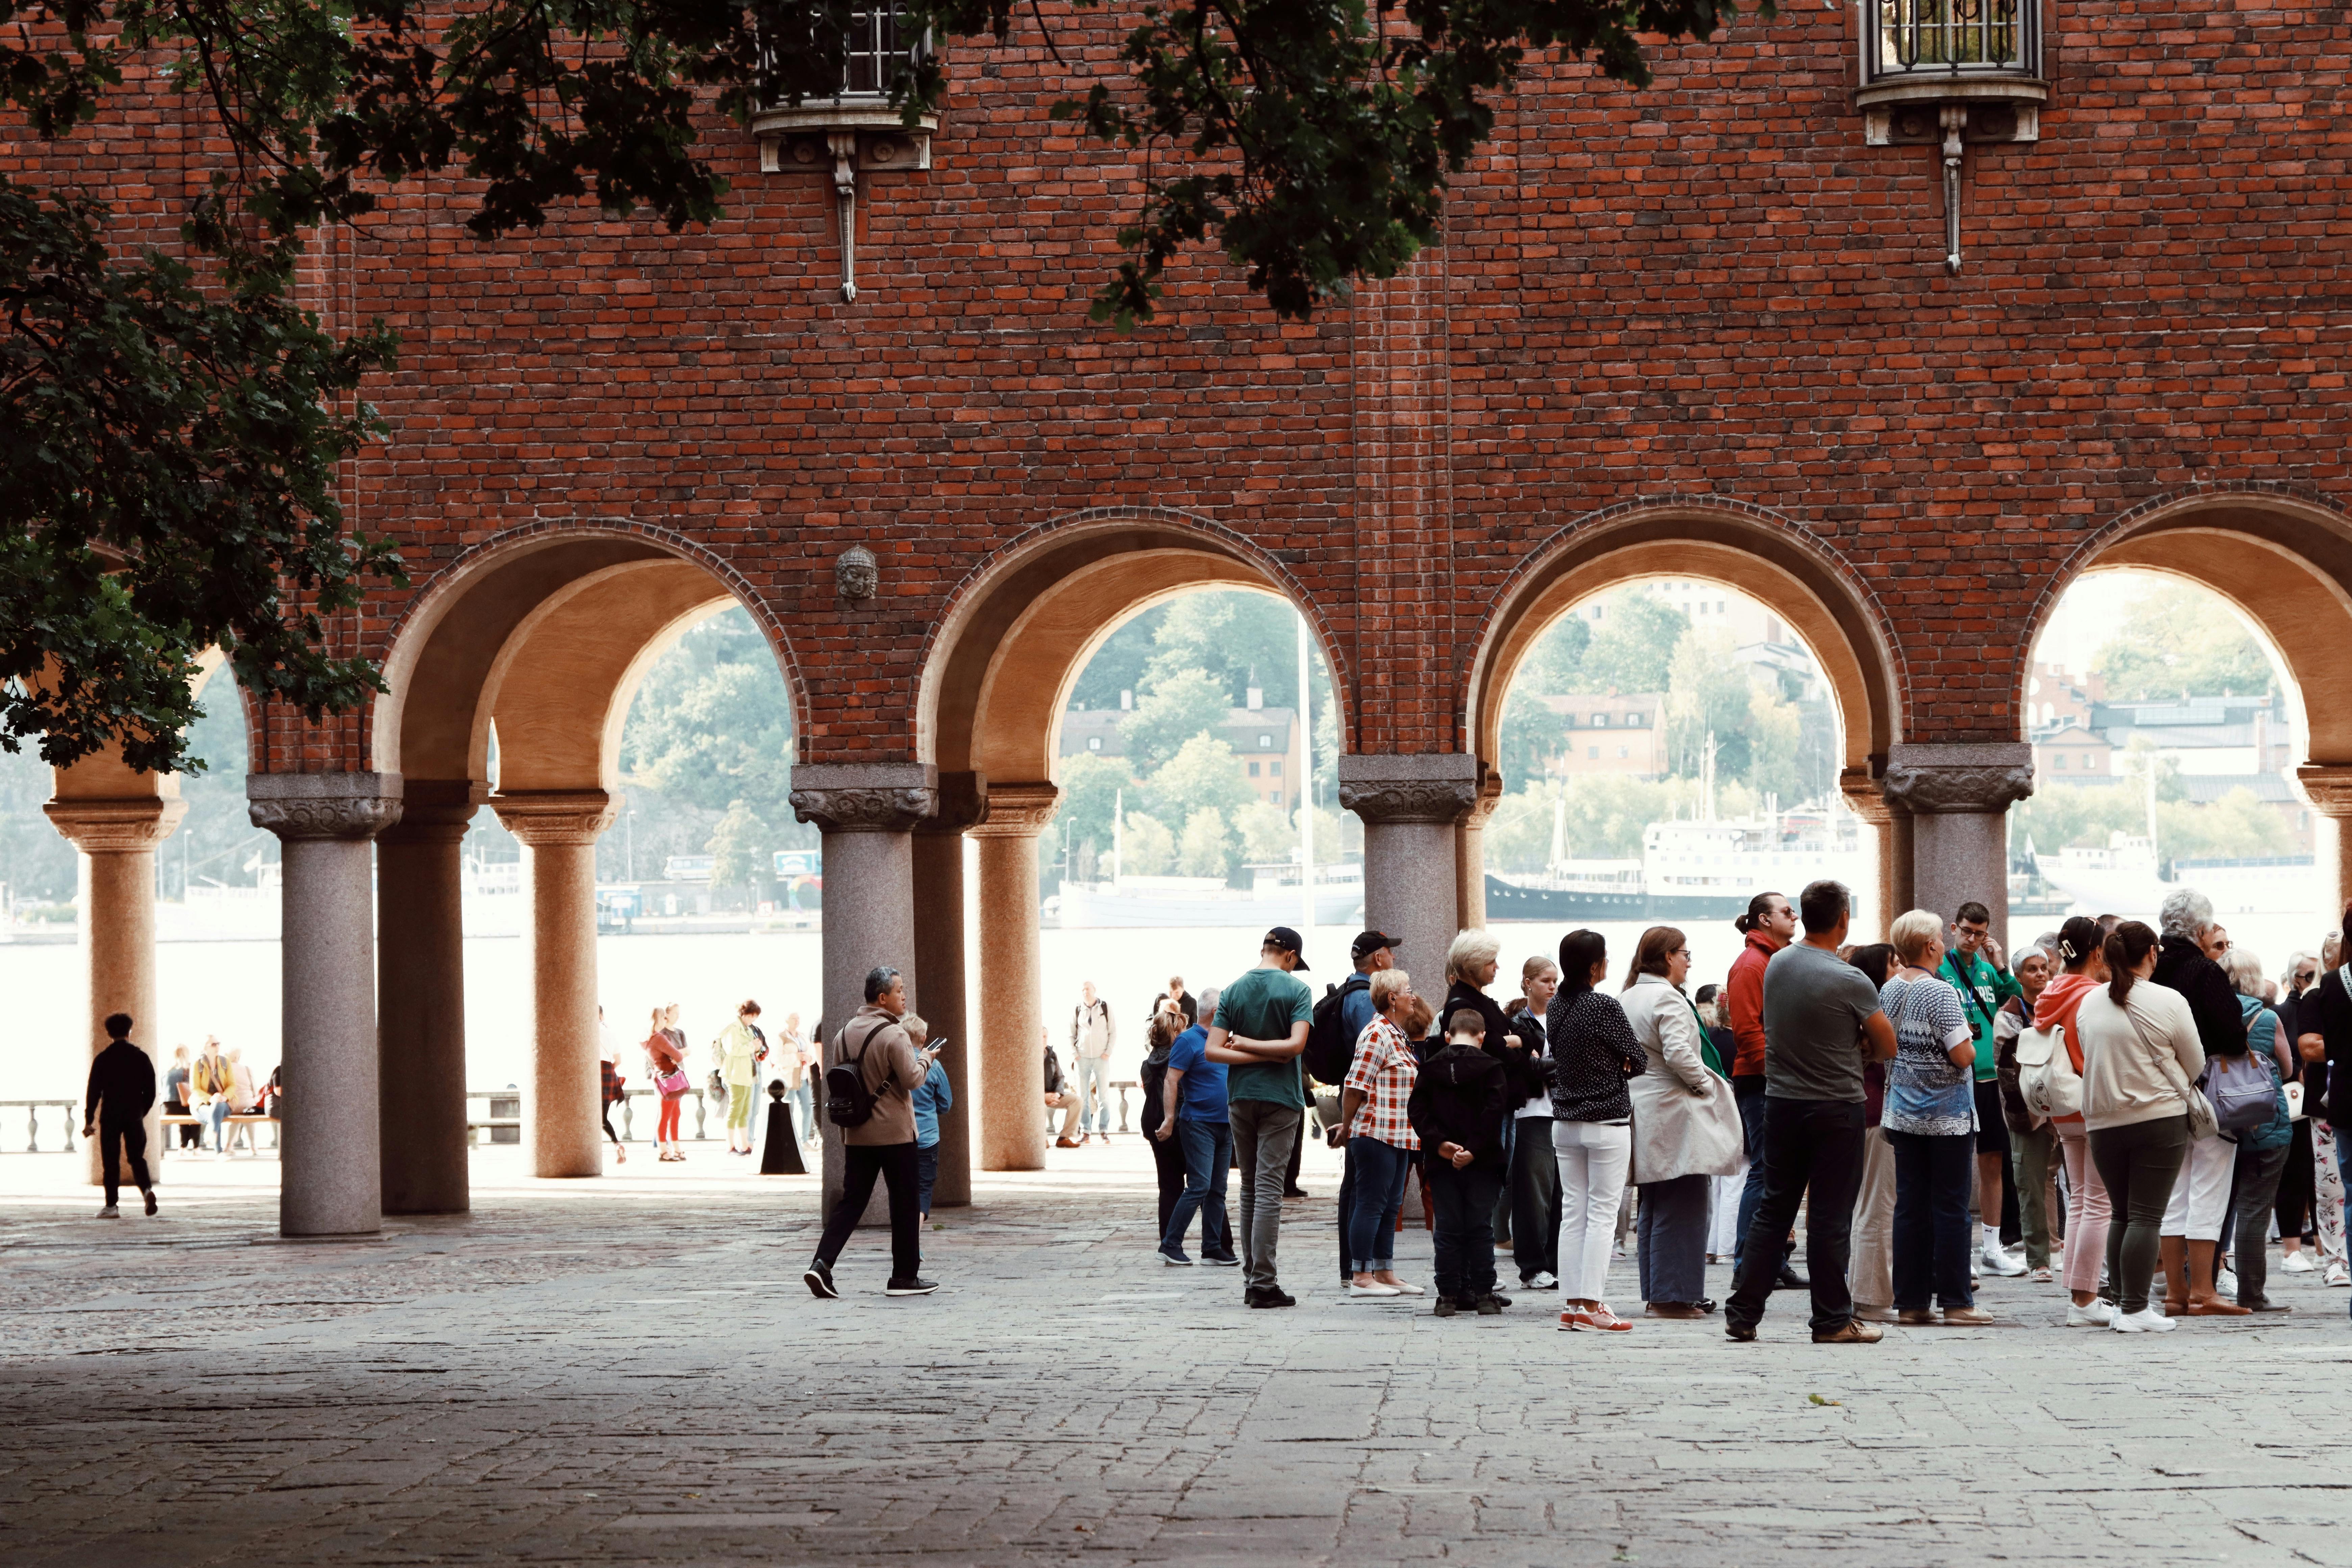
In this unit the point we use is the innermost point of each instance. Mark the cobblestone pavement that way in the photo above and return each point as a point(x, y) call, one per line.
point(631, 1372)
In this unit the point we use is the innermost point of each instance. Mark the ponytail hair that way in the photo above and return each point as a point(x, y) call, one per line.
point(2127, 945)
point(1579, 951)
point(1758, 908)
point(2078, 939)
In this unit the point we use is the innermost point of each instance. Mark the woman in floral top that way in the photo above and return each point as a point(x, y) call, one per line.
point(1381, 1142)
point(1929, 1123)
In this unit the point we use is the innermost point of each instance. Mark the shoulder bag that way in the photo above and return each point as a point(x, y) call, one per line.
point(2202, 1123)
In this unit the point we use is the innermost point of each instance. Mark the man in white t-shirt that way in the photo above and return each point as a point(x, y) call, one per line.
point(1092, 1034)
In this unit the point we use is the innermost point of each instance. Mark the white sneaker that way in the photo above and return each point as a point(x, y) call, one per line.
point(1995, 1261)
point(2338, 1274)
point(2296, 1263)
point(2151, 1320)
point(110, 1212)
point(2097, 1315)
point(2226, 1287)
point(1543, 1280)
point(1374, 1288)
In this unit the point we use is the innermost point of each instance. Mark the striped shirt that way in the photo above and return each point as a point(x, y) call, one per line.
point(1383, 1072)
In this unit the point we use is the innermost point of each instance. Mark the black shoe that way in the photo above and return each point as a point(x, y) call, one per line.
point(1446, 1307)
point(915, 1287)
point(151, 1200)
point(1789, 1279)
point(1493, 1296)
point(1743, 1332)
point(819, 1279)
point(1705, 1304)
point(1294, 1191)
point(1267, 1296)
point(1491, 1306)
point(1215, 1261)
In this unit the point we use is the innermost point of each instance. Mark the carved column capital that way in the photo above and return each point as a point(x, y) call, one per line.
point(435, 811)
point(551, 818)
point(1489, 797)
point(323, 805)
point(961, 804)
point(865, 797)
point(1866, 797)
point(2328, 787)
point(1431, 787)
point(128, 826)
point(1017, 811)
point(1986, 777)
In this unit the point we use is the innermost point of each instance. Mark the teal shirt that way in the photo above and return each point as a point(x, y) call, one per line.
point(1265, 1005)
point(1982, 990)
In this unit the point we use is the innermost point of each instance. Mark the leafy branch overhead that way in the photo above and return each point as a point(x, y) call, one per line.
point(176, 426)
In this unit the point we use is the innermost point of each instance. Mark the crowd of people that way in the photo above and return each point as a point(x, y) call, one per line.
point(2126, 1113)
point(745, 1068)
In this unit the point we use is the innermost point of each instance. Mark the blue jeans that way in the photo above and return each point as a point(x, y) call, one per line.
point(1380, 1171)
point(1749, 1094)
point(1464, 1242)
point(927, 1172)
point(2344, 1165)
point(804, 1118)
point(1208, 1153)
point(1093, 1095)
point(216, 1115)
point(1931, 1218)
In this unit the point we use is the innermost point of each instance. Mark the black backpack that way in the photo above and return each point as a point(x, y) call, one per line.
point(847, 1102)
point(1329, 1047)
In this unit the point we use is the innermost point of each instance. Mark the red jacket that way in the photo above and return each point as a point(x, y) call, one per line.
point(1743, 993)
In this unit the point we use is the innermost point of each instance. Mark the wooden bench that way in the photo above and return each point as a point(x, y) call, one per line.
point(247, 1120)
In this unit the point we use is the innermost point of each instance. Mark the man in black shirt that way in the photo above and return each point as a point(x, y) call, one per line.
point(114, 1109)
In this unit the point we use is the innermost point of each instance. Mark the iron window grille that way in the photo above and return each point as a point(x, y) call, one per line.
point(1916, 39)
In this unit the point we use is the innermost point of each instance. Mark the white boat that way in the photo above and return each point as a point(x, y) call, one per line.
point(2124, 878)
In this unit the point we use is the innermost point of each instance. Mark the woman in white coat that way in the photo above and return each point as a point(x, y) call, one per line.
point(1674, 1139)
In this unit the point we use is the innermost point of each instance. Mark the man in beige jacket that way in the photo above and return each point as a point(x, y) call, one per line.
point(883, 1144)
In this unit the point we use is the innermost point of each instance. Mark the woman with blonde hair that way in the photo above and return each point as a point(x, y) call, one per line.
point(1929, 1123)
point(1380, 1137)
point(1667, 1100)
point(665, 1050)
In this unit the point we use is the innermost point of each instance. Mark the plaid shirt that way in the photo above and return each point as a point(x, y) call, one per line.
point(1384, 1071)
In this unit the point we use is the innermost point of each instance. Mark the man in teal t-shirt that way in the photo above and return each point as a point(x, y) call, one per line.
point(1973, 965)
point(1259, 1032)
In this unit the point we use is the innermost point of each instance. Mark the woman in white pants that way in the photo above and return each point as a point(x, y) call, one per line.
point(1593, 1052)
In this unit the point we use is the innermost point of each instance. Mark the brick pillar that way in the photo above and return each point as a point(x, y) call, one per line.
point(117, 839)
point(331, 1171)
point(1866, 797)
point(1958, 798)
point(868, 812)
point(1012, 1080)
point(1412, 807)
point(940, 959)
point(562, 1129)
point(421, 994)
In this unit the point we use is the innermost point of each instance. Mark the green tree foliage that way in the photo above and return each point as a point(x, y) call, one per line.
point(1148, 848)
point(1179, 707)
point(2181, 641)
point(1201, 776)
point(1267, 834)
point(1091, 787)
point(170, 477)
point(2238, 826)
point(1205, 850)
point(738, 848)
point(1118, 664)
point(1233, 636)
point(1632, 648)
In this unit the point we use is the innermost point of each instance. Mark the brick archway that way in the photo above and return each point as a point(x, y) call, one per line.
point(1762, 555)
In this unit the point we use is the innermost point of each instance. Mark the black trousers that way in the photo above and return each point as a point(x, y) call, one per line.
point(119, 1141)
point(1168, 1164)
point(895, 1164)
point(1808, 1144)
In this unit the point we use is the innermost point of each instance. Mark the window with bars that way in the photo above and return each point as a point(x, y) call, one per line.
point(1916, 39)
point(875, 52)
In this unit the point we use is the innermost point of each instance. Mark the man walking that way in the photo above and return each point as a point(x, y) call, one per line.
point(115, 1110)
point(1973, 966)
point(1091, 1036)
point(1258, 1032)
point(1821, 1023)
point(877, 1045)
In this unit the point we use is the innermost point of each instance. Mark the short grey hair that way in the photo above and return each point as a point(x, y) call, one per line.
point(2185, 913)
point(2244, 970)
point(1205, 1004)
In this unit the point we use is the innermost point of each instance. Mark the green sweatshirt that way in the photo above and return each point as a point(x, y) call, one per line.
point(1982, 990)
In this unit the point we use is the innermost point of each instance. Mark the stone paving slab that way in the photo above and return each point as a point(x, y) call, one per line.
point(586, 1374)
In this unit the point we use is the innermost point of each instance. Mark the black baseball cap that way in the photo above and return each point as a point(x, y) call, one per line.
point(1370, 942)
point(1286, 941)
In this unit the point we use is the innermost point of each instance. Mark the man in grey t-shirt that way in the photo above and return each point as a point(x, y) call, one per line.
point(1821, 1023)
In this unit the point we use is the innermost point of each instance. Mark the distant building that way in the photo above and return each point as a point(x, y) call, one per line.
point(2072, 754)
point(1618, 733)
point(1265, 750)
point(2215, 745)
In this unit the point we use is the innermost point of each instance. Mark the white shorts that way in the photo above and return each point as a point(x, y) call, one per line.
point(2200, 1205)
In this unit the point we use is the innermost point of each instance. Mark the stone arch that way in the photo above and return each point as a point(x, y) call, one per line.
point(2284, 558)
point(532, 628)
point(1761, 553)
point(1000, 662)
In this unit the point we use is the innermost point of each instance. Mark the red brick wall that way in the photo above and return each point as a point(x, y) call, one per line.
point(1709, 289)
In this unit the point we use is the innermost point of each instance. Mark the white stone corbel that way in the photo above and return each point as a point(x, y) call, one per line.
point(843, 144)
point(1955, 120)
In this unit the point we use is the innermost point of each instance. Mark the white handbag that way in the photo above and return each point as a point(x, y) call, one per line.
point(2046, 1079)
